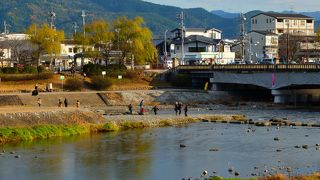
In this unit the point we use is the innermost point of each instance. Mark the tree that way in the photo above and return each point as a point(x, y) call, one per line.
point(47, 40)
point(133, 37)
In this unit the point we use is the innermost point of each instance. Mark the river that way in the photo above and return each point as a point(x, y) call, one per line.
point(156, 153)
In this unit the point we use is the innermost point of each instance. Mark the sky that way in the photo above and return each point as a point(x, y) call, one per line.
point(245, 5)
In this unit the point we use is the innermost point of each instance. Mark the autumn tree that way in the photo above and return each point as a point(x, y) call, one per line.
point(131, 36)
point(47, 40)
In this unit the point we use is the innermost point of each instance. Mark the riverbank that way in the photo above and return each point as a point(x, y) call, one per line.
point(22, 124)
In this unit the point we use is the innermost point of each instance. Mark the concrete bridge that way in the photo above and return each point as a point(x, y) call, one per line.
point(286, 82)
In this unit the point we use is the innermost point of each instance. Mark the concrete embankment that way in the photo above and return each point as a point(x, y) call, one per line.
point(112, 98)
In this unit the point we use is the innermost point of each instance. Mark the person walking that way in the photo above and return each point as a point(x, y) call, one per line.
point(59, 103)
point(141, 105)
point(186, 110)
point(39, 102)
point(155, 109)
point(176, 108)
point(65, 102)
point(78, 104)
point(179, 108)
point(130, 108)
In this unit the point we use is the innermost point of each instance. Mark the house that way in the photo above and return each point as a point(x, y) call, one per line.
point(261, 44)
point(291, 30)
point(280, 23)
point(201, 46)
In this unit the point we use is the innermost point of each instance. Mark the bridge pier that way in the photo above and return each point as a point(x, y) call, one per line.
point(296, 96)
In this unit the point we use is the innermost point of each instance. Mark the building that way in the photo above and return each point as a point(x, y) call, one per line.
point(278, 23)
point(201, 46)
point(261, 44)
point(293, 31)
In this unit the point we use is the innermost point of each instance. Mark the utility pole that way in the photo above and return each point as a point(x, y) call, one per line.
point(243, 34)
point(6, 31)
point(52, 15)
point(165, 46)
point(181, 18)
point(83, 15)
point(75, 27)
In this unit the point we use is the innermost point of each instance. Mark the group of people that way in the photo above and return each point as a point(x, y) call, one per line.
point(178, 108)
point(39, 101)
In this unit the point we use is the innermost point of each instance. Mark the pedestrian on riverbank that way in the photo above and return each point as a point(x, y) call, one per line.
point(65, 102)
point(176, 108)
point(78, 104)
point(141, 105)
point(59, 103)
point(155, 109)
point(130, 108)
point(186, 110)
point(39, 102)
point(179, 108)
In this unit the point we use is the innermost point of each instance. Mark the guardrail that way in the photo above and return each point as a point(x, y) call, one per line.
point(251, 67)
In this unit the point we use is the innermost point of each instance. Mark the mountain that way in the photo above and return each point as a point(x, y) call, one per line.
point(225, 14)
point(19, 14)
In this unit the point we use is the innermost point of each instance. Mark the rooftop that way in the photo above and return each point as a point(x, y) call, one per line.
point(282, 15)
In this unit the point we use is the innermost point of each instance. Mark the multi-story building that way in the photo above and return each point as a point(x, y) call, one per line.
point(201, 46)
point(281, 27)
point(279, 23)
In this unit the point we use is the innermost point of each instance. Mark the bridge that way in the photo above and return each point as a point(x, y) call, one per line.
point(286, 82)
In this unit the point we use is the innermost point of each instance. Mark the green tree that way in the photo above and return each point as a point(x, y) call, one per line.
point(133, 37)
point(47, 40)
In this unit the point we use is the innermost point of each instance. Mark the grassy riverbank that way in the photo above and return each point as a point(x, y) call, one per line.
point(33, 123)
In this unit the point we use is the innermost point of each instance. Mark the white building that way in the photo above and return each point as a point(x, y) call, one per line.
point(261, 44)
point(201, 46)
point(278, 23)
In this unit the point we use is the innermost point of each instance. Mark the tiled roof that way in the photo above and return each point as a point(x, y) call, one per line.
point(282, 15)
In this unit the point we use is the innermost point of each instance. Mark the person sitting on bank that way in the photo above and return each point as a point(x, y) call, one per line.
point(78, 104)
point(130, 108)
point(59, 103)
point(39, 102)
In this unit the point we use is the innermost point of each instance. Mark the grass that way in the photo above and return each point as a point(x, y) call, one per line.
point(41, 132)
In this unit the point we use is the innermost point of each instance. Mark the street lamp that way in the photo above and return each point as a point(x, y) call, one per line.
point(118, 31)
point(165, 46)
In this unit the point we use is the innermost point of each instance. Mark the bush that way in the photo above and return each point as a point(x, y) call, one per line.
point(10, 70)
point(112, 70)
point(181, 80)
point(133, 74)
point(24, 77)
point(74, 84)
point(41, 69)
point(101, 83)
point(30, 70)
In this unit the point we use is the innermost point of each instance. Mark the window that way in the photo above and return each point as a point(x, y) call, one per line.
point(295, 22)
point(303, 22)
point(195, 49)
point(270, 20)
point(252, 21)
point(70, 50)
point(178, 48)
point(267, 20)
point(255, 21)
point(309, 21)
point(279, 20)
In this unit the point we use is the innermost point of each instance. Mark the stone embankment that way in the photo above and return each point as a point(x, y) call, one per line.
point(112, 98)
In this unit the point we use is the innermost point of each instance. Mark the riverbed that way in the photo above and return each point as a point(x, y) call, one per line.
point(172, 152)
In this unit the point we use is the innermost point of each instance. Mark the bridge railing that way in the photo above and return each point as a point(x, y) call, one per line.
point(252, 67)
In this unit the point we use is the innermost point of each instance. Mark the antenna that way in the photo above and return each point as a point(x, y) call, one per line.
point(52, 15)
point(181, 17)
point(243, 33)
point(83, 15)
point(75, 27)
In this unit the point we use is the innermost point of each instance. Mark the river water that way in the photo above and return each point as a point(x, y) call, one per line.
point(156, 153)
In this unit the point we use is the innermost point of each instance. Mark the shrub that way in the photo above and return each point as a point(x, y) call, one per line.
point(41, 69)
point(101, 83)
point(133, 74)
point(112, 70)
point(181, 80)
point(74, 84)
point(30, 70)
point(24, 77)
point(10, 70)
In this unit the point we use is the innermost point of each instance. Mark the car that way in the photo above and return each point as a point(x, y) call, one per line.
point(266, 61)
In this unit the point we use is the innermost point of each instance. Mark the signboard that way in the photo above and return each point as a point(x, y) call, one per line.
point(104, 73)
point(172, 47)
point(119, 76)
point(61, 77)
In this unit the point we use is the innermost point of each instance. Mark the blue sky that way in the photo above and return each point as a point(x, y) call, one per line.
point(245, 5)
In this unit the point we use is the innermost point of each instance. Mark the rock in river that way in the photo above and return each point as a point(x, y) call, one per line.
point(182, 146)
